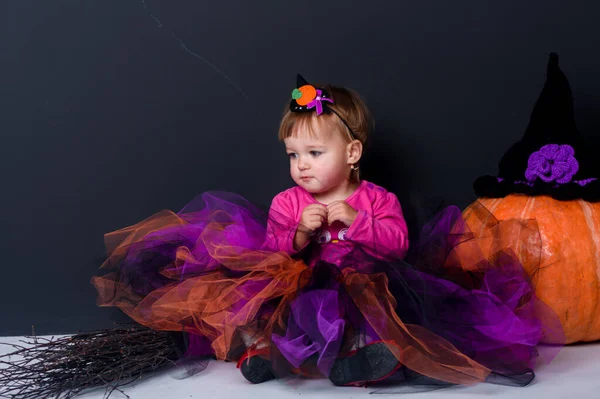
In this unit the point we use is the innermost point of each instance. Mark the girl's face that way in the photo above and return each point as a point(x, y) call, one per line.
point(320, 159)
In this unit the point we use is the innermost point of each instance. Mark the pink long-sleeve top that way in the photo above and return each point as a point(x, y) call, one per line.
point(379, 226)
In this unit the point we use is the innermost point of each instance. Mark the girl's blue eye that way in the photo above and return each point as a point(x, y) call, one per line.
point(293, 155)
point(315, 153)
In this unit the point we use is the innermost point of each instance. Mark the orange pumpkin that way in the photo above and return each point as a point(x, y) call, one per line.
point(568, 276)
point(308, 94)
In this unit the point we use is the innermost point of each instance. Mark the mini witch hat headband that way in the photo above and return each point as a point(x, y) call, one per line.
point(307, 98)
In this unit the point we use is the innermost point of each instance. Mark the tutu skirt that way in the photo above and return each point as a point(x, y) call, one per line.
point(448, 314)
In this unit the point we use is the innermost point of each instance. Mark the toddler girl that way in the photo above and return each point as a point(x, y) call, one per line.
point(318, 287)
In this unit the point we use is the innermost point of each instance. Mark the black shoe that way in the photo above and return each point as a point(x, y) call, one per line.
point(256, 369)
point(372, 363)
point(515, 380)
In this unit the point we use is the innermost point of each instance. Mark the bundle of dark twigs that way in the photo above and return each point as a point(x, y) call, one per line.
point(64, 367)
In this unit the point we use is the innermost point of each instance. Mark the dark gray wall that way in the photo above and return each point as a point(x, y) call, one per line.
point(113, 110)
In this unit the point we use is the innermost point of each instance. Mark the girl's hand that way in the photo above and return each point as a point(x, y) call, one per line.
point(340, 210)
point(313, 217)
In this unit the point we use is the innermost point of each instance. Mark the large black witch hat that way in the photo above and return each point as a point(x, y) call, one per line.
point(551, 158)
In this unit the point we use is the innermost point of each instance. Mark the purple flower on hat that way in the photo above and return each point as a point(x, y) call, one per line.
point(552, 163)
point(317, 102)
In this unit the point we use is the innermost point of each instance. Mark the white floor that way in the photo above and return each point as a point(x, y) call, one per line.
point(575, 373)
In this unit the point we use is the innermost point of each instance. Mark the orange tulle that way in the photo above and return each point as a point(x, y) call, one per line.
point(206, 304)
point(232, 293)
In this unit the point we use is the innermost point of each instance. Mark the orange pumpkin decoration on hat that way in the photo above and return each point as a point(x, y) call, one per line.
point(308, 93)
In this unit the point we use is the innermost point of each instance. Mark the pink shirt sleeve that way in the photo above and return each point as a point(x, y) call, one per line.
point(383, 232)
point(283, 223)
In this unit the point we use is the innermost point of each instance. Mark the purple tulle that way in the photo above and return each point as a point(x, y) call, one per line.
point(315, 327)
point(491, 314)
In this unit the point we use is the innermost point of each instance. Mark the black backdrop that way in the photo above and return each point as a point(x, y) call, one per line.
point(112, 110)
